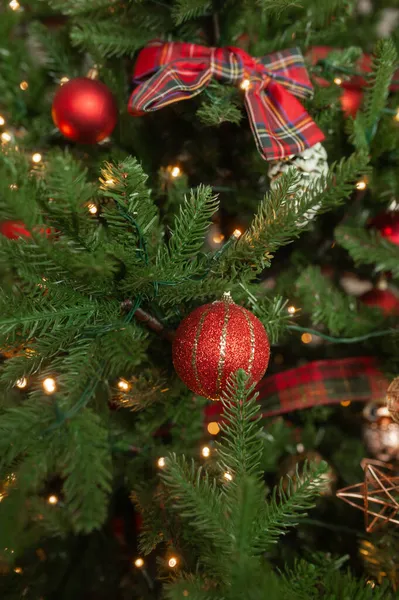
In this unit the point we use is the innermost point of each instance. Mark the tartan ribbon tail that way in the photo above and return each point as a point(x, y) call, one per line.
point(280, 124)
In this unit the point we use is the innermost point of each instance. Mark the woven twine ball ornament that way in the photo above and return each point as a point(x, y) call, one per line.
point(214, 341)
point(393, 399)
point(311, 164)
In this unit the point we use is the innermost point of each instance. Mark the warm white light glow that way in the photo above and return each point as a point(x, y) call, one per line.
point(306, 338)
point(13, 186)
point(345, 403)
point(139, 563)
point(161, 462)
point(64, 79)
point(218, 238)
point(2, 496)
point(236, 233)
point(172, 562)
point(123, 385)
point(213, 428)
point(2, 121)
point(18, 570)
point(337, 81)
point(49, 385)
point(291, 310)
point(5, 137)
point(206, 451)
point(14, 5)
point(24, 85)
point(175, 172)
point(53, 499)
point(22, 383)
point(109, 182)
point(36, 157)
point(228, 476)
point(396, 117)
point(245, 83)
point(92, 209)
point(361, 185)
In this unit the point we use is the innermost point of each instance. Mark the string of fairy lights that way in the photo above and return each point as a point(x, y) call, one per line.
point(49, 384)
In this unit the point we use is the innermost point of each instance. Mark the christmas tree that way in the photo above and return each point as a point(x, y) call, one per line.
point(199, 303)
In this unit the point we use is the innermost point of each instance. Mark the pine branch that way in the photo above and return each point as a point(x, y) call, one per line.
point(328, 305)
point(183, 10)
point(111, 39)
point(370, 248)
point(187, 237)
point(241, 447)
point(223, 105)
point(87, 470)
point(384, 64)
point(195, 588)
point(300, 496)
point(78, 7)
point(197, 499)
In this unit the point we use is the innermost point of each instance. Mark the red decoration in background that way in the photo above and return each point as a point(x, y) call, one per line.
point(216, 340)
point(317, 383)
point(16, 229)
point(84, 110)
point(383, 299)
point(388, 225)
point(351, 100)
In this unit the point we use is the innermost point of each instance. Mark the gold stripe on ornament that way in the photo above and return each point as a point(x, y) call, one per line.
point(252, 339)
point(195, 348)
point(222, 351)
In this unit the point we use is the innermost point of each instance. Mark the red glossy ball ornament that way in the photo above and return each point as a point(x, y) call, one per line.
point(382, 299)
point(351, 100)
point(216, 340)
point(84, 110)
point(388, 225)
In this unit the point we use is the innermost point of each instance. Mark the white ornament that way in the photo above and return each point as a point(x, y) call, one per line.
point(311, 164)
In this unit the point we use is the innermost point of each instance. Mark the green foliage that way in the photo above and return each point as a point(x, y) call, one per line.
point(332, 307)
point(369, 247)
point(87, 471)
point(222, 105)
point(384, 65)
point(234, 521)
point(189, 9)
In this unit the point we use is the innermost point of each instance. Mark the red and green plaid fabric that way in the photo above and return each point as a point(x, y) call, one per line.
point(168, 72)
point(316, 383)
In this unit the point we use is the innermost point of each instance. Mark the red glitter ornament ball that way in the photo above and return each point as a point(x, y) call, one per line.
point(216, 340)
point(383, 299)
point(388, 225)
point(84, 110)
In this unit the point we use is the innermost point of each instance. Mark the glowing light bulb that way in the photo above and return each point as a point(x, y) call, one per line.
point(139, 563)
point(175, 171)
point(213, 428)
point(245, 83)
point(361, 185)
point(22, 383)
point(338, 81)
point(14, 5)
point(161, 462)
point(53, 499)
point(5, 137)
point(306, 338)
point(123, 385)
point(18, 570)
point(228, 476)
point(24, 85)
point(291, 310)
point(2, 121)
point(172, 562)
point(206, 451)
point(218, 239)
point(13, 186)
point(64, 79)
point(396, 117)
point(300, 448)
point(109, 182)
point(36, 157)
point(345, 403)
point(49, 385)
point(92, 209)
point(236, 234)
point(2, 496)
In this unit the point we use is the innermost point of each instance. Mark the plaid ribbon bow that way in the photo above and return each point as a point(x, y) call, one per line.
point(169, 72)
